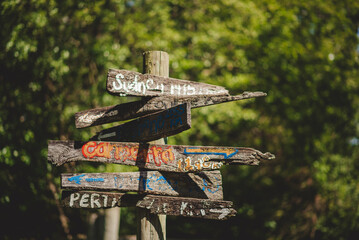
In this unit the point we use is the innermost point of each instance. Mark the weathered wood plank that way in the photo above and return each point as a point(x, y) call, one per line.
point(175, 206)
point(95, 199)
point(152, 127)
point(197, 185)
point(172, 158)
point(188, 207)
point(129, 83)
point(126, 111)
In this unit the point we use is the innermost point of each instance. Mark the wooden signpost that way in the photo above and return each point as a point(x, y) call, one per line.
point(126, 111)
point(197, 185)
point(97, 199)
point(128, 83)
point(183, 181)
point(188, 207)
point(152, 127)
point(175, 206)
point(173, 158)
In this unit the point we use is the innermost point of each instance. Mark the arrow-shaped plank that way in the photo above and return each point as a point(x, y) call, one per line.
point(188, 207)
point(152, 127)
point(197, 185)
point(146, 106)
point(172, 158)
point(129, 83)
point(175, 206)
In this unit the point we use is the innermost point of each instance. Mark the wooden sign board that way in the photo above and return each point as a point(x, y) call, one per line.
point(129, 83)
point(126, 111)
point(175, 206)
point(152, 127)
point(196, 185)
point(95, 199)
point(172, 158)
point(188, 207)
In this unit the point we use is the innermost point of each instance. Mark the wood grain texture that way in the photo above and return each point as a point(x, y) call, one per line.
point(129, 83)
point(172, 158)
point(188, 207)
point(149, 128)
point(126, 111)
point(197, 185)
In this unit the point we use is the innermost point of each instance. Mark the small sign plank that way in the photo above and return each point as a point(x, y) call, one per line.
point(126, 111)
point(188, 207)
point(149, 128)
point(172, 158)
point(129, 83)
point(196, 185)
point(92, 199)
point(175, 206)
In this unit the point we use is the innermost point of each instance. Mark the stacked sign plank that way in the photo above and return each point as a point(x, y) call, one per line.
point(173, 179)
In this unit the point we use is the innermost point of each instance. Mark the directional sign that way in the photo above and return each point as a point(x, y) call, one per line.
point(91, 199)
point(173, 158)
point(128, 83)
point(146, 106)
point(175, 206)
point(152, 127)
point(227, 153)
point(197, 185)
point(188, 207)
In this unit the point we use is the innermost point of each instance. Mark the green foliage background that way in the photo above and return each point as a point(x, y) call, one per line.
point(54, 57)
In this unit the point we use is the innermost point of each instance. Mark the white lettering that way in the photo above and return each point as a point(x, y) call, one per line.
point(114, 201)
point(127, 85)
point(104, 200)
point(174, 88)
point(133, 86)
point(142, 87)
point(84, 200)
point(223, 212)
point(89, 118)
point(118, 80)
point(190, 90)
point(148, 82)
point(95, 201)
point(74, 197)
point(162, 88)
point(183, 206)
point(149, 206)
point(165, 207)
point(106, 135)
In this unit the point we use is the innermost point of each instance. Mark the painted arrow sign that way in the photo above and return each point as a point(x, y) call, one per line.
point(172, 158)
point(175, 206)
point(188, 207)
point(227, 153)
point(129, 83)
point(146, 106)
point(152, 127)
point(197, 185)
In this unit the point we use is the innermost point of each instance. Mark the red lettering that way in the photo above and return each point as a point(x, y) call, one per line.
point(85, 150)
point(156, 155)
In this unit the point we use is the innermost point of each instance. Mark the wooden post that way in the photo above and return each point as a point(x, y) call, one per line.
point(151, 226)
point(112, 223)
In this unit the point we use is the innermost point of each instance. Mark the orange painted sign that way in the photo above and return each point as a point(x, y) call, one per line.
point(123, 153)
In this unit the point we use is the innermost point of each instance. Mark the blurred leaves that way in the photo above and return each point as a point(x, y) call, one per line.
point(54, 59)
